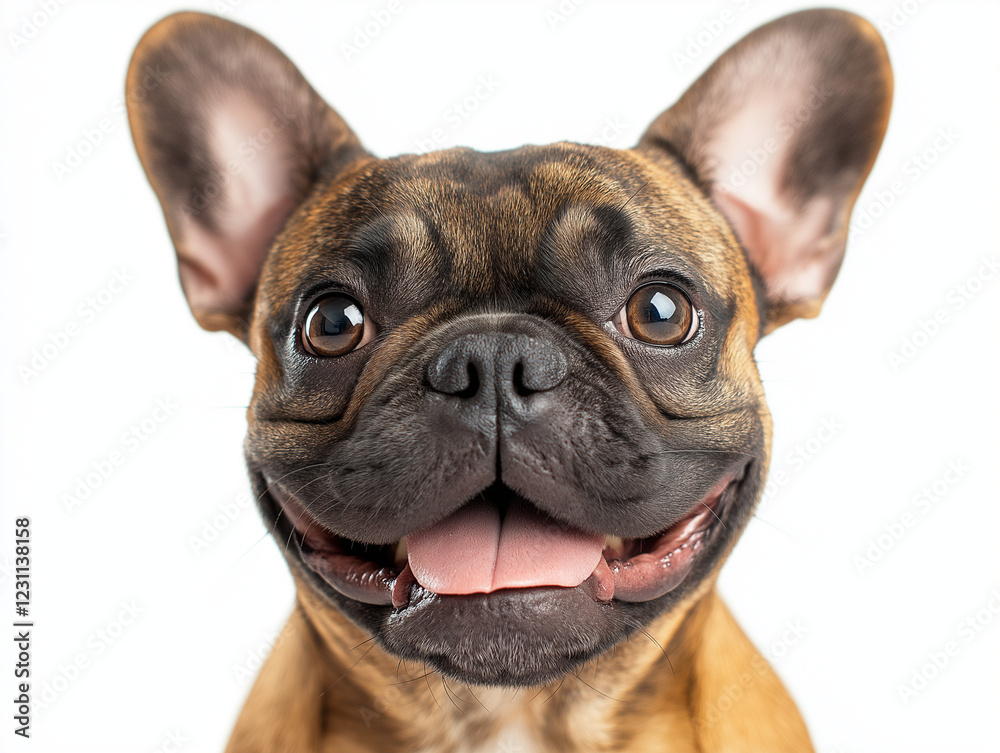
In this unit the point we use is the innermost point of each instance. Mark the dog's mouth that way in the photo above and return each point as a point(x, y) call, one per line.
point(499, 540)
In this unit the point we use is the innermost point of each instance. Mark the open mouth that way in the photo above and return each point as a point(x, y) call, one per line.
point(499, 540)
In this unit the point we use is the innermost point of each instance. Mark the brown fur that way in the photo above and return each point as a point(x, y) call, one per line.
point(531, 231)
point(658, 692)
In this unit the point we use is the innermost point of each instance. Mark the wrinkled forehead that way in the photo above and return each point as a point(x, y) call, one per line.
point(503, 225)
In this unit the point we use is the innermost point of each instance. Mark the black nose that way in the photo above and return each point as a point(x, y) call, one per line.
point(504, 367)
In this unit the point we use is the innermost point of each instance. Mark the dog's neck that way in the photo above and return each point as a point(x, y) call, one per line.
point(691, 682)
point(406, 706)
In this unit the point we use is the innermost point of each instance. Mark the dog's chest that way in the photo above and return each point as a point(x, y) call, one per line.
point(500, 723)
point(510, 738)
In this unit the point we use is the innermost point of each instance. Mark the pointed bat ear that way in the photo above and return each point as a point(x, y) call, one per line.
point(232, 138)
point(781, 132)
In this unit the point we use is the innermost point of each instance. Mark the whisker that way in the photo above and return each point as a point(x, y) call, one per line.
point(431, 689)
point(548, 698)
point(708, 451)
point(448, 692)
point(639, 628)
point(779, 530)
point(610, 698)
point(345, 673)
point(362, 643)
point(268, 484)
point(413, 679)
point(473, 692)
point(633, 196)
point(707, 507)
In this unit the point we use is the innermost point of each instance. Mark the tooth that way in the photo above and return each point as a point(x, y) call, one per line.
point(615, 544)
point(400, 557)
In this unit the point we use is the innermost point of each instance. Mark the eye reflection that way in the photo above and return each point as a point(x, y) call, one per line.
point(663, 306)
point(334, 326)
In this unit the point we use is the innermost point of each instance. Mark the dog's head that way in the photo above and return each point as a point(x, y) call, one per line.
point(506, 409)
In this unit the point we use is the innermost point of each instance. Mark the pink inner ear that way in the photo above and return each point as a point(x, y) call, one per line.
point(249, 195)
point(219, 272)
point(791, 247)
point(784, 127)
point(794, 252)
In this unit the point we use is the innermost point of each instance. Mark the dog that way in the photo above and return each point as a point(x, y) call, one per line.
point(507, 424)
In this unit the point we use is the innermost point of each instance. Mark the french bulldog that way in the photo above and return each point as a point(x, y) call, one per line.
point(507, 424)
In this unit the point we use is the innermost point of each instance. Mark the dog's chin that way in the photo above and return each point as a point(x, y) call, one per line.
point(512, 636)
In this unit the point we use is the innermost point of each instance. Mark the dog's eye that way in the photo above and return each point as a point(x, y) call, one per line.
point(334, 326)
point(658, 314)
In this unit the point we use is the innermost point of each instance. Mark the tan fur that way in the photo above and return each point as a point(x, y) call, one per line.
point(326, 687)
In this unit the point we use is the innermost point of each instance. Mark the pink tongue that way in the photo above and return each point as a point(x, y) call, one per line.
point(471, 551)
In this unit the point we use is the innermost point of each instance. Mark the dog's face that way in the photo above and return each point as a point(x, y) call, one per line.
point(506, 411)
point(504, 360)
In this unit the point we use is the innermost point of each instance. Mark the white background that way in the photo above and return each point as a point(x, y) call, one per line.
point(173, 669)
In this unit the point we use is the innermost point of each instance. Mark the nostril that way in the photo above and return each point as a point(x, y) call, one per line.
point(539, 368)
point(520, 388)
point(456, 371)
point(473, 382)
point(507, 366)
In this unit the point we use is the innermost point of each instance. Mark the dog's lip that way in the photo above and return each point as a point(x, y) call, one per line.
point(333, 557)
point(633, 570)
point(649, 568)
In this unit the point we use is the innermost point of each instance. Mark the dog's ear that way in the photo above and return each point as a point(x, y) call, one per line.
point(781, 132)
point(232, 138)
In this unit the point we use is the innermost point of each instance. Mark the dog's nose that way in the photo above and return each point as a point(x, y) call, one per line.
point(511, 367)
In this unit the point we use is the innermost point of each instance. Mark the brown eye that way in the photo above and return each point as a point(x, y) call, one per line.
point(334, 327)
point(658, 314)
